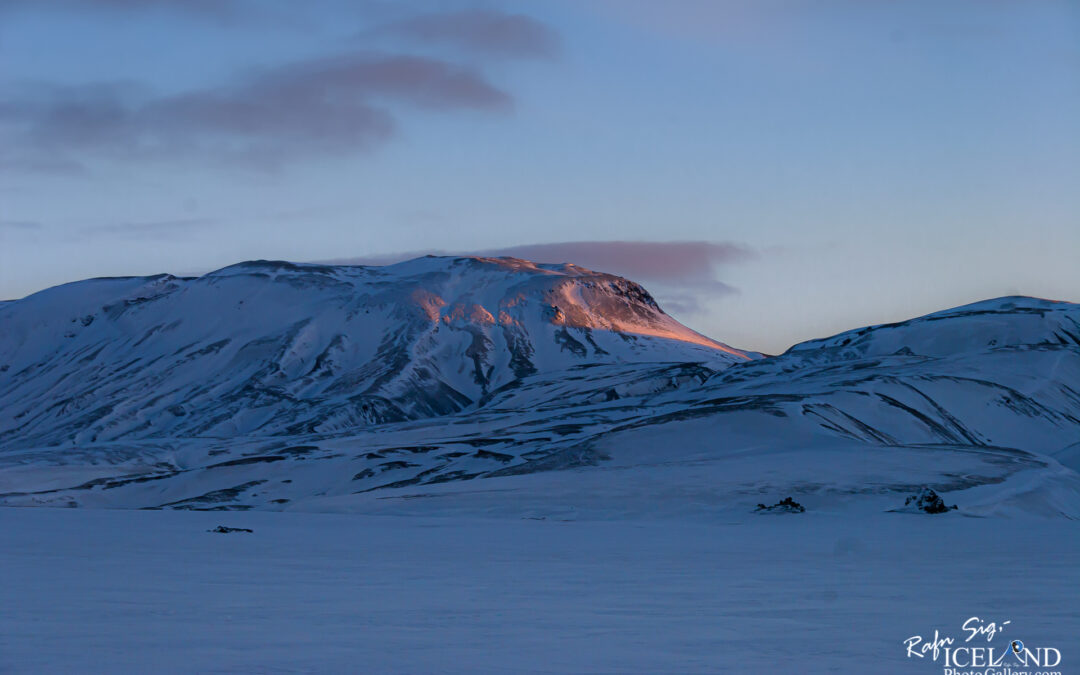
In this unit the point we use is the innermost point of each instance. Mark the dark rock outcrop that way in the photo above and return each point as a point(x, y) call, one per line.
point(786, 505)
point(928, 501)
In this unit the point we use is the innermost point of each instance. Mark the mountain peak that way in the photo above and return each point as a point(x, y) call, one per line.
point(271, 347)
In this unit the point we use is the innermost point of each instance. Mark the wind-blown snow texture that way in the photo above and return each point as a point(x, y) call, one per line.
point(445, 384)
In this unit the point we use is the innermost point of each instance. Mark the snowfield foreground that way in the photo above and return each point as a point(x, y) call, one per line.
point(474, 465)
point(138, 591)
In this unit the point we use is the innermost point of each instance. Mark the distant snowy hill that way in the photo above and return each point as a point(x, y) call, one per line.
point(280, 348)
point(500, 386)
point(1002, 324)
point(1000, 372)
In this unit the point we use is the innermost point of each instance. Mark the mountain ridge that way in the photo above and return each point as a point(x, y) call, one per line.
point(280, 347)
point(274, 412)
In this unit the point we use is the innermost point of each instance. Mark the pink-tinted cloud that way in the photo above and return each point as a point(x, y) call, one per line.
point(682, 273)
point(335, 105)
point(483, 31)
point(682, 263)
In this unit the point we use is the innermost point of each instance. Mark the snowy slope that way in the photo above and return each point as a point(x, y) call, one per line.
point(273, 348)
point(981, 403)
point(1004, 323)
point(577, 469)
point(1000, 372)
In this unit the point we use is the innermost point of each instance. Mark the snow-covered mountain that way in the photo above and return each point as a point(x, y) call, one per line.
point(244, 389)
point(999, 372)
point(275, 348)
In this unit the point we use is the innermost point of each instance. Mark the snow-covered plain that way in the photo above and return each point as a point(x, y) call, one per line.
point(475, 465)
point(138, 591)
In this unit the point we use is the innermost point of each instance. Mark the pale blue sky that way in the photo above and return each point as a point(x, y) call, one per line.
point(869, 160)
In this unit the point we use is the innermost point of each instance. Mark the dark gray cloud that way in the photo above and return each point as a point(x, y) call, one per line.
point(482, 31)
point(326, 106)
point(683, 273)
point(334, 105)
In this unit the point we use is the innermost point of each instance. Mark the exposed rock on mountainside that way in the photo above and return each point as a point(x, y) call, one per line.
point(276, 348)
point(279, 386)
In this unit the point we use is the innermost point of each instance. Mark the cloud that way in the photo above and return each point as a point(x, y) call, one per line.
point(422, 81)
point(20, 225)
point(197, 5)
point(325, 106)
point(481, 31)
point(19, 230)
point(173, 229)
point(682, 272)
point(31, 163)
point(337, 105)
point(218, 10)
point(680, 263)
point(683, 304)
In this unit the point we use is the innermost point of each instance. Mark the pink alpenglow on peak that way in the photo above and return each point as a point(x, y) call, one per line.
point(278, 347)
